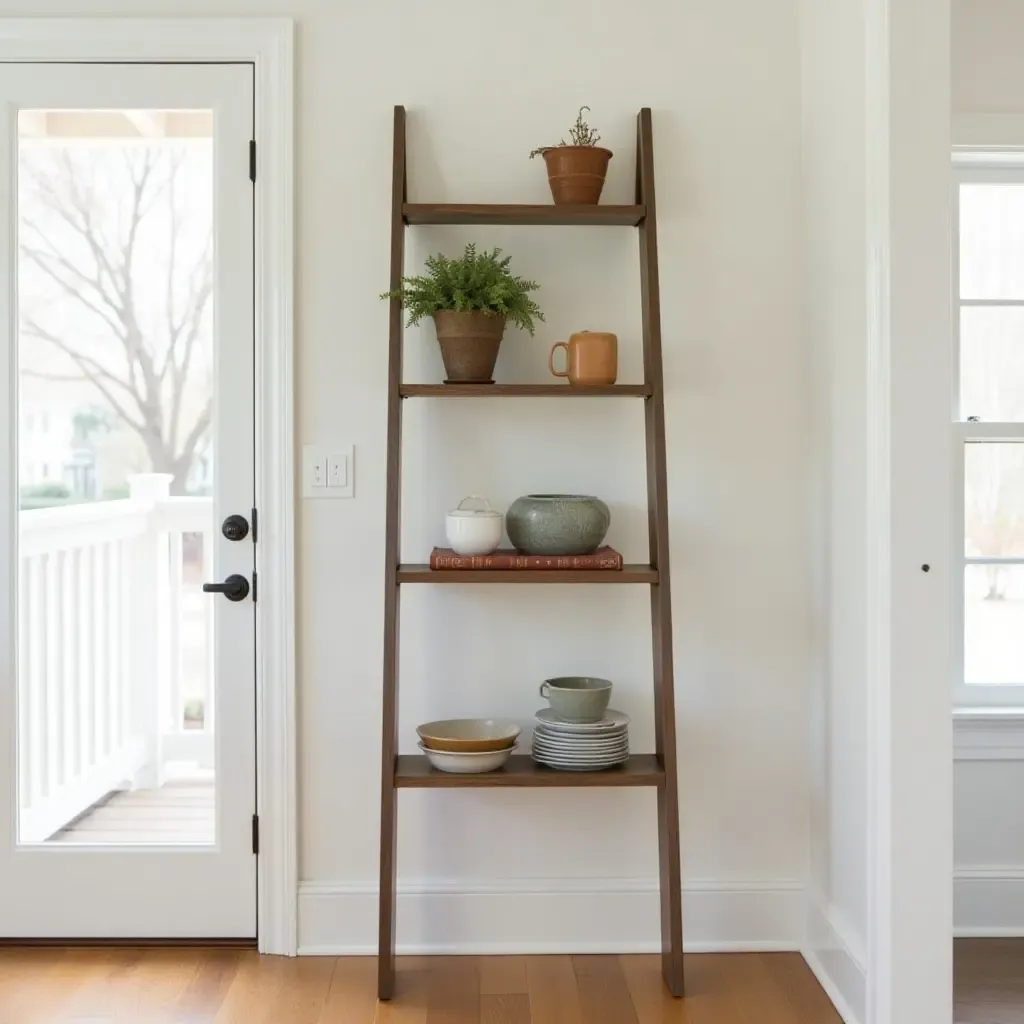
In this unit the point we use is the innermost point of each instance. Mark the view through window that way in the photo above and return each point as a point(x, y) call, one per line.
point(988, 429)
point(115, 297)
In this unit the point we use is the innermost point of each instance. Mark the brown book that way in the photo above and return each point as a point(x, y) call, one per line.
point(602, 558)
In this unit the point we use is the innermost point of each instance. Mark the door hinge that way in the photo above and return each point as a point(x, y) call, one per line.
point(252, 519)
point(254, 591)
point(252, 160)
point(255, 833)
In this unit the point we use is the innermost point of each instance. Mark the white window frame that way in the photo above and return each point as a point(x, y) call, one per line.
point(975, 167)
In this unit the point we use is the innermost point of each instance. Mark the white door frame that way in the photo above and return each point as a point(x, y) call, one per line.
point(268, 45)
point(910, 750)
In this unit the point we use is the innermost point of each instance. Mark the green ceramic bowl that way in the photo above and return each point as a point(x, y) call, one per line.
point(557, 524)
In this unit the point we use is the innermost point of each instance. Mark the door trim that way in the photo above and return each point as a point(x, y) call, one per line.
point(268, 45)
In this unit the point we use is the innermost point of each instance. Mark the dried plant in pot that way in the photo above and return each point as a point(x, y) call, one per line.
point(470, 299)
point(576, 169)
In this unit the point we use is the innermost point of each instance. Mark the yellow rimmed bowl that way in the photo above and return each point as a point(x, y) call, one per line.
point(468, 735)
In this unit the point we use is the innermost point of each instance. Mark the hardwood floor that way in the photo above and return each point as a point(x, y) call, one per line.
point(989, 986)
point(189, 986)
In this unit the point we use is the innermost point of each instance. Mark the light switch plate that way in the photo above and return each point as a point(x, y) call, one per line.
point(328, 471)
point(341, 472)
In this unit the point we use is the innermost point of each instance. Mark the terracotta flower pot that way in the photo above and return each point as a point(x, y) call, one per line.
point(576, 173)
point(469, 344)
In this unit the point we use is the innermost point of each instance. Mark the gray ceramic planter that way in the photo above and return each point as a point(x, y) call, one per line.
point(557, 524)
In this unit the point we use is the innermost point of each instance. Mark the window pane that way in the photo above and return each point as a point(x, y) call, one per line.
point(994, 500)
point(992, 241)
point(992, 363)
point(994, 625)
point(116, 343)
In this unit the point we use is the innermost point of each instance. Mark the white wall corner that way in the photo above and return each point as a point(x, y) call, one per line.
point(550, 915)
point(838, 958)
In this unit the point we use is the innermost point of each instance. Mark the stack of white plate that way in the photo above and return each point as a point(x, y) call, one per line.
point(580, 747)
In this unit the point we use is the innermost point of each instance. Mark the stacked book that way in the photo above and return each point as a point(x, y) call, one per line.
point(602, 558)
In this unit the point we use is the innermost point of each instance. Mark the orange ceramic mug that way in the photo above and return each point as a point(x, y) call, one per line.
point(591, 357)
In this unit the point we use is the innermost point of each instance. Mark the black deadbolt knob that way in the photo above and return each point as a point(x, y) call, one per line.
point(235, 527)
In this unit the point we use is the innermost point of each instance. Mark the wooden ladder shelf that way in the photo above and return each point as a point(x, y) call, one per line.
point(657, 769)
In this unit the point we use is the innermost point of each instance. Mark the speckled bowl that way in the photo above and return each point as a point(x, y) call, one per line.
point(557, 524)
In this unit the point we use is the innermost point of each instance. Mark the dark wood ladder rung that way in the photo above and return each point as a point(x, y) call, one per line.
point(525, 391)
point(657, 770)
point(487, 213)
point(627, 574)
point(415, 772)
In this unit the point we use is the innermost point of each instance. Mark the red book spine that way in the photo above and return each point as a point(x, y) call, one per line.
point(603, 558)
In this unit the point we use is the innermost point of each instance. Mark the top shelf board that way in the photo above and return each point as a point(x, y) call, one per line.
point(480, 213)
point(525, 391)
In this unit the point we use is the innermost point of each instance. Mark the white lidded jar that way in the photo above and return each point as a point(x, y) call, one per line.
point(474, 531)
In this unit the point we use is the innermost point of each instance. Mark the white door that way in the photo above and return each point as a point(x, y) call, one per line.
point(127, 692)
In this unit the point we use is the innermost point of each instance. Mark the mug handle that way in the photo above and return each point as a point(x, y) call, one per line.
point(551, 359)
point(543, 692)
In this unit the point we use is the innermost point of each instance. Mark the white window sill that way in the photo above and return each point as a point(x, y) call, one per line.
point(988, 734)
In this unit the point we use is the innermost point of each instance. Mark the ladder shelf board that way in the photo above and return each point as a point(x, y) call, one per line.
point(414, 771)
point(525, 391)
point(503, 213)
point(627, 574)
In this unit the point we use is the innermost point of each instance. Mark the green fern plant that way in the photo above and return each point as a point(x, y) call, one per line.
point(473, 281)
point(581, 134)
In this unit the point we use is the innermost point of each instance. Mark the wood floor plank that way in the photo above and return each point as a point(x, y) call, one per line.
point(412, 995)
point(187, 986)
point(800, 988)
point(201, 999)
point(503, 975)
point(554, 997)
point(507, 1008)
point(604, 994)
point(352, 997)
point(105, 992)
point(989, 981)
point(35, 983)
point(303, 994)
point(652, 1001)
point(754, 991)
point(253, 990)
point(454, 990)
point(709, 996)
point(153, 983)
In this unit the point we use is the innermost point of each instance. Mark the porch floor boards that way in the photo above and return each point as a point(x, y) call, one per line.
point(179, 812)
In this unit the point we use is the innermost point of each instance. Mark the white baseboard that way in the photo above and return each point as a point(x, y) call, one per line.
point(550, 915)
point(838, 960)
point(988, 901)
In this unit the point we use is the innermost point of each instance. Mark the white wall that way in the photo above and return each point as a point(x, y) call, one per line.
point(722, 81)
point(835, 275)
point(988, 109)
point(483, 86)
point(875, 157)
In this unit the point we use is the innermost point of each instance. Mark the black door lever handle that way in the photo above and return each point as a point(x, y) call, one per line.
point(234, 588)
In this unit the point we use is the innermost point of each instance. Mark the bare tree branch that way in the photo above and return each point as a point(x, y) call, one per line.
point(98, 377)
point(150, 380)
point(40, 260)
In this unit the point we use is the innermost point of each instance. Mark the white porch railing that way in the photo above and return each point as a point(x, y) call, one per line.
point(103, 609)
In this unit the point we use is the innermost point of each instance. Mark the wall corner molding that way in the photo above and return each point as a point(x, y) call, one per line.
point(837, 958)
